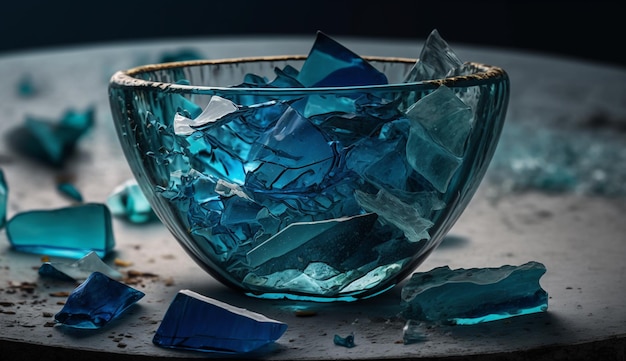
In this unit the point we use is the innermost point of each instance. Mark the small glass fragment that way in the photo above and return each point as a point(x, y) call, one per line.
point(347, 341)
point(96, 302)
point(70, 191)
point(49, 141)
point(436, 60)
point(412, 333)
point(4, 198)
point(79, 270)
point(470, 296)
point(129, 202)
point(196, 322)
point(68, 232)
point(26, 87)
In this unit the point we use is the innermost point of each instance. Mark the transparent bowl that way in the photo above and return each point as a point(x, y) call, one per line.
point(319, 194)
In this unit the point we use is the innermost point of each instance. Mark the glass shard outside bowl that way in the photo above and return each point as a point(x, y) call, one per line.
point(286, 178)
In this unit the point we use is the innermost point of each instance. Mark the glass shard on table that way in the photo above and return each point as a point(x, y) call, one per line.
point(4, 198)
point(51, 141)
point(196, 322)
point(128, 201)
point(347, 341)
point(96, 302)
point(68, 232)
point(470, 296)
point(412, 332)
point(70, 190)
point(79, 270)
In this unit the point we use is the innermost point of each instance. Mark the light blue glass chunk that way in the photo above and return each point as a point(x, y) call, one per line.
point(4, 198)
point(79, 270)
point(70, 191)
point(68, 232)
point(199, 323)
point(96, 302)
point(470, 296)
point(347, 341)
point(329, 63)
point(412, 333)
point(437, 60)
point(51, 141)
point(128, 201)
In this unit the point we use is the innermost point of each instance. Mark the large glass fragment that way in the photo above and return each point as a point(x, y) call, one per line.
point(51, 141)
point(68, 232)
point(475, 295)
point(436, 60)
point(196, 322)
point(4, 198)
point(79, 270)
point(96, 302)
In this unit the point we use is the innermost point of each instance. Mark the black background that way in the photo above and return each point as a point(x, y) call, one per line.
point(590, 31)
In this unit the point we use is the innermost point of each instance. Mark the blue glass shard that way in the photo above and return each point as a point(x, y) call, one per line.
point(196, 322)
point(470, 296)
point(96, 302)
point(27, 87)
point(51, 142)
point(412, 333)
point(217, 108)
point(68, 232)
point(437, 60)
point(4, 198)
point(70, 190)
point(127, 201)
point(79, 270)
point(347, 341)
point(329, 63)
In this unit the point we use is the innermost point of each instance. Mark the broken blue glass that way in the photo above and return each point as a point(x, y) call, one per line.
point(51, 141)
point(27, 87)
point(78, 270)
point(412, 332)
point(199, 323)
point(127, 201)
point(475, 295)
point(70, 190)
point(436, 60)
point(96, 302)
point(68, 232)
point(4, 198)
point(347, 341)
point(311, 193)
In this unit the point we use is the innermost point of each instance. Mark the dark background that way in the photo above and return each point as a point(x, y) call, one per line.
point(585, 30)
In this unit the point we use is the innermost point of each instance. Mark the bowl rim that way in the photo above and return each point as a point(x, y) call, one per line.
point(127, 78)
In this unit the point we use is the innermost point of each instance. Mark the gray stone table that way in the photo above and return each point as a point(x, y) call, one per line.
point(580, 238)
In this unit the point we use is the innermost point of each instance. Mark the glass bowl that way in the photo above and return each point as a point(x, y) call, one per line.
point(323, 193)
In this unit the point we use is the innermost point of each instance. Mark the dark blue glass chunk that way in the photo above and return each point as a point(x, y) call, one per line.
point(51, 142)
point(196, 322)
point(470, 296)
point(4, 197)
point(96, 302)
point(329, 63)
point(68, 232)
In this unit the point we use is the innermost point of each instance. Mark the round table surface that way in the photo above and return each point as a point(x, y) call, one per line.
point(580, 238)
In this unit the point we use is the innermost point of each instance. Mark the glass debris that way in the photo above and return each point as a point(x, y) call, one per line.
point(4, 198)
point(97, 301)
point(68, 232)
point(127, 201)
point(27, 87)
point(436, 60)
point(412, 332)
point(182, 54)
point(70, 190)
point(347, 341)
point(51, 142)
point(79, 270)
point(196, 322)
point(470, 296)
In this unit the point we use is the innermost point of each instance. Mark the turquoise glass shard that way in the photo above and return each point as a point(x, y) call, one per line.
point(470, 296)
point(347, 341)
point(96, 302)
point(51, 141)
point(127, 201)
point(68, 232)
point(196, 322)
point(70, 190)
point(412, 332)
point(79, 270)
point(4, 198)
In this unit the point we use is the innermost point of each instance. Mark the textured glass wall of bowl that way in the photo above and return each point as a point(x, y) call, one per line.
point(577, 235)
